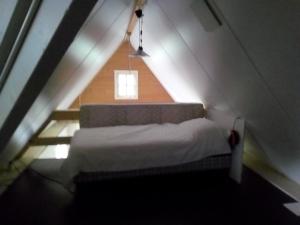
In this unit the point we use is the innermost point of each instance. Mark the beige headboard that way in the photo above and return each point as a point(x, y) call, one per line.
point(135, 114)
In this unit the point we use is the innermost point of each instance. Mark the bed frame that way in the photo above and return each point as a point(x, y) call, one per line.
point(138, 114)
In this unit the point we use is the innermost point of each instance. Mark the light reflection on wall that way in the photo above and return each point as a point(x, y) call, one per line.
point(61, 151)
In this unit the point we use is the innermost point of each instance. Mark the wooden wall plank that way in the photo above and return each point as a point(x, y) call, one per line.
point(101, 89)
point(65, 115)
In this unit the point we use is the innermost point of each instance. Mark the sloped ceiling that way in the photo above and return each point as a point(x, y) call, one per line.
point(97, 40)
point(249, 66)
point(41, 31)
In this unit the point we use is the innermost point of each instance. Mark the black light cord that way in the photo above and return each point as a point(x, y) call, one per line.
point(49, 179)
point(140, 33)
point(13, 166)
point(141, 30)
point(139, 14)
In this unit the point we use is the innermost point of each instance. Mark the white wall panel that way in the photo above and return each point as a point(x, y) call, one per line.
point(233, 73)
point(173, 62)
point(103, 49)
point(43, 27)
point(269, 32)
point(99, 37)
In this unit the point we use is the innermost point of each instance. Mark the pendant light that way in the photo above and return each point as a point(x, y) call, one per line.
point(140, 51)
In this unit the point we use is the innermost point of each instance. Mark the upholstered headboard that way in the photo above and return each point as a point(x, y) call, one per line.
point(135, 114)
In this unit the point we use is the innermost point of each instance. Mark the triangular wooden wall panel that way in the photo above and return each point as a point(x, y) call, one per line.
point(101, 89)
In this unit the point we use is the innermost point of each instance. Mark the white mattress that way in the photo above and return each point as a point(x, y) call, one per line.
point(123, 148)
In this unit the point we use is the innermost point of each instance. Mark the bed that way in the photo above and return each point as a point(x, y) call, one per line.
point(117, 141)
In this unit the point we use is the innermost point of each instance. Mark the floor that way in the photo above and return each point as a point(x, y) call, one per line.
point(186, 199)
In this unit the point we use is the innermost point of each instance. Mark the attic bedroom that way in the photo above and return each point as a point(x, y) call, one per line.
point(154, 111)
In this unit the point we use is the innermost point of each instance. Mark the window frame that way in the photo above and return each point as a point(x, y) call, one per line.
point(116, 84)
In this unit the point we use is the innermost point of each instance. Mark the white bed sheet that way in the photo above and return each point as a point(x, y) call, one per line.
point(122, 148)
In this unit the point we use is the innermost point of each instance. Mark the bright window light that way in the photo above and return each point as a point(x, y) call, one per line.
point(61, 151)
point(126, 84)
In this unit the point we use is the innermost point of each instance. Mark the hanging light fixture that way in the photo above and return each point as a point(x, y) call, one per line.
point(140, 52)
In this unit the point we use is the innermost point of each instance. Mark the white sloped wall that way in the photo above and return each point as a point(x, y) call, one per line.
point(269, 31)
point(224, 68)
point(249, 66)
point(42, 29)
point(48, 17)
point(97, 40)
point(6, 11)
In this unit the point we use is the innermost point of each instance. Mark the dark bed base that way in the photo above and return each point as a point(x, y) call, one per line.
point(209, 163)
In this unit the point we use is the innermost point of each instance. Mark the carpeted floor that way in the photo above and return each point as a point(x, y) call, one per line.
point(194, 198)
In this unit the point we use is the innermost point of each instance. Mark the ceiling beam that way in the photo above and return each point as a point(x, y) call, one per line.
point(59, 44)
point(65, 115)
point(50, 141)
point(139, 4)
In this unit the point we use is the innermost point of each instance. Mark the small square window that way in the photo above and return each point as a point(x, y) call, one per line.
point(126, 84)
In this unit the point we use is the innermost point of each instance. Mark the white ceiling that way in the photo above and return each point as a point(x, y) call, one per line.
point(249, 66)
point(42, 29)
